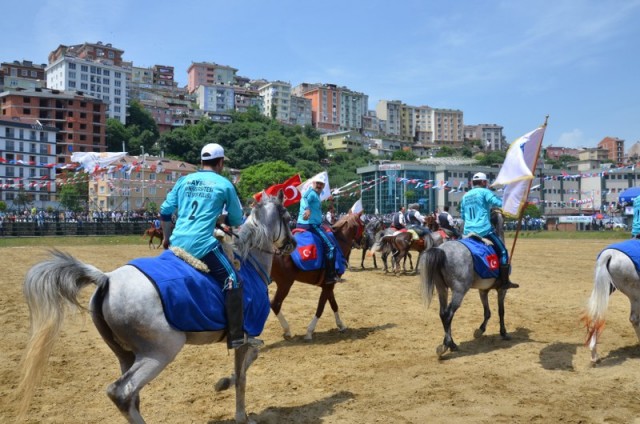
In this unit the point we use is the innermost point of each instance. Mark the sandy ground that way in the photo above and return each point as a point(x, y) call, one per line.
point(382, 369)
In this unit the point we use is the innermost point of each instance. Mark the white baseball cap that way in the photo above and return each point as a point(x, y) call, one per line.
point(212, 151)
point(317, 179)
point(479, 176)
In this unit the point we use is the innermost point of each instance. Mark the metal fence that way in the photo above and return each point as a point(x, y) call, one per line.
point(31, 229)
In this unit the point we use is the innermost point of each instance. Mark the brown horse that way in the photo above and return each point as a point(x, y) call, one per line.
point(153, 232)
point(400, 244)
point(284, 272)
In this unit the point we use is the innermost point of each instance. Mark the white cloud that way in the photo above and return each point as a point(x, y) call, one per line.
point(574, 138)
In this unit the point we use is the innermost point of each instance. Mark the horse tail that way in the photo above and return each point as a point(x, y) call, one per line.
point(593, 317)
point(435, 261)
point(379, 246)
point(50, 288)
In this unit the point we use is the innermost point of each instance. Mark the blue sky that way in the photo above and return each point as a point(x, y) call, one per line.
point(501, 62)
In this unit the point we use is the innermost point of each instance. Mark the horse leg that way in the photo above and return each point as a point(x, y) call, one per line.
point(484, 298)
point(446, 316)
point(375, 265)
point(502, 293)
point(364, 251)
point(282, 291)
point(336, 314)
point(244, 357)
point(324, 296)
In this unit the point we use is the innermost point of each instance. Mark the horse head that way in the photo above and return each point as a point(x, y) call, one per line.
point(348, 229)
point(268, 226)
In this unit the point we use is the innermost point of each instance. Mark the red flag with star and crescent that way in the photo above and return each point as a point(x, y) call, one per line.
point(289, 187)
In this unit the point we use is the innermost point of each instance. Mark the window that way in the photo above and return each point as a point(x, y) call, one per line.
point(117, 74)
point(26, 111)
point(84, 68)
point(72, 66)
point(106, 72)
point(72, 84)
point(25, 73)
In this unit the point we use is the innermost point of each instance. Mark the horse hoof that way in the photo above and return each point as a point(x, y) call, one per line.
point(308, 337)
point(478, 333)
point(441, 350)
point(287, 336)
point(342, 328)
point(506, 336)
point(223, 384)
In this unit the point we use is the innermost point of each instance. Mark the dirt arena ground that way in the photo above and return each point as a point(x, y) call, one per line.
point(382, 369)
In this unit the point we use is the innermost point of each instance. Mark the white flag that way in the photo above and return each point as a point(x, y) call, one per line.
point(357, 207)
point(518, 169)
point(326, 193)
point(91, 161)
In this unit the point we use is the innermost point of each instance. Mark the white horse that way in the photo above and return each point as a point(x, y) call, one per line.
point(614, 270)
point(129, 315)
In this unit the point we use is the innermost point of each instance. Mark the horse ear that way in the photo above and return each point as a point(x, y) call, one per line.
point(281, 196)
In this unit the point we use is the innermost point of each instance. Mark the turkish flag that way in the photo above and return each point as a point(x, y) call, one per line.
point(493, 262)
point(308, 253)
point(291, 193)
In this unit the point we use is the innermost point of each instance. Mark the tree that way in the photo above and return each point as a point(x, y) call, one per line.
point(261, 176)
point(446, 151)
point(22, 199)
point(71, 198)
point(116, 135)
point(142, 129)
point(403, 155)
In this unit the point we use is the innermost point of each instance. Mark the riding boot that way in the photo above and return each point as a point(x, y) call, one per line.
point(330, 276)
point(234, 310)
point(504, 278)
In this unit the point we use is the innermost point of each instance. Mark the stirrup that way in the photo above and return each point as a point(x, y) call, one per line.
point(251, 341)
point(511, 285)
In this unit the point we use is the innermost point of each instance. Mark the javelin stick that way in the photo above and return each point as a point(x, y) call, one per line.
point(521, 213)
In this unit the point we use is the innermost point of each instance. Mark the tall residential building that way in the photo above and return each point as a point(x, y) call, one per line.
point(93, 69)
point(390, 111)
point(490, 135)
point(300, 111)
point(615, 146)
point(27, 161)
point(334, 108)
point(247, 97)
point(448, 127)
point(277, 100)
point(207, 73)
point(79, 118)
point(215, 98)
point(23, 74)
point(164, 75)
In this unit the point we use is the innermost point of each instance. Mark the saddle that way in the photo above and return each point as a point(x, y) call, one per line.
point(309, 253)
point(485, 259)
point(194, 301)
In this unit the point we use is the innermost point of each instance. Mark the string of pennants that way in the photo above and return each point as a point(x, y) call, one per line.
point(354, 188)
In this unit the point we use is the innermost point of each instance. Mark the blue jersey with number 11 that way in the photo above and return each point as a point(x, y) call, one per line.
point(476, 210)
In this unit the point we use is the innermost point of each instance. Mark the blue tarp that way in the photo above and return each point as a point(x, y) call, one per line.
point(629, 195)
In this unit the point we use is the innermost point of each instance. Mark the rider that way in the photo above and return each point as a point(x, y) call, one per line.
point(635, 227)
point(446, 221)
point(156, 223)
point(399, 220)
point(476, 211)
point(200, 199)
point(415, 219)
point(310, 219)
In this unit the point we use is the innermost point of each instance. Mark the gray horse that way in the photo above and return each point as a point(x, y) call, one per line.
point(449, 267)
point(614, 270)
point(128, 313)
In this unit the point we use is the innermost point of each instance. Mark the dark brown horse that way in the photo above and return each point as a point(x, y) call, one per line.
point(284, 272)
point(153, 232)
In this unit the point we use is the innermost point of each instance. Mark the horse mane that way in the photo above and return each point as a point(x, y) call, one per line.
point(348, 218)
point(254, 232)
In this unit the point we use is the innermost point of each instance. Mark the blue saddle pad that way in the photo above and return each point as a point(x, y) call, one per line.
point(309, 253)
point(485, 260)
point(631, 248)
point(194, 301)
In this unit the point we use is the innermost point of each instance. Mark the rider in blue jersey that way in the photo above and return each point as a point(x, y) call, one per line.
point(476, 212)
point(310, 219)
point(200, 199)
point(635, 227)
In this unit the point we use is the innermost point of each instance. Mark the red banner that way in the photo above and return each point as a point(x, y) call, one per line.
point(291, 193)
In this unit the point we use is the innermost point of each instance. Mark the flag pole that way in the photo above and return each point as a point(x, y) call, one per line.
point(535, 165)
